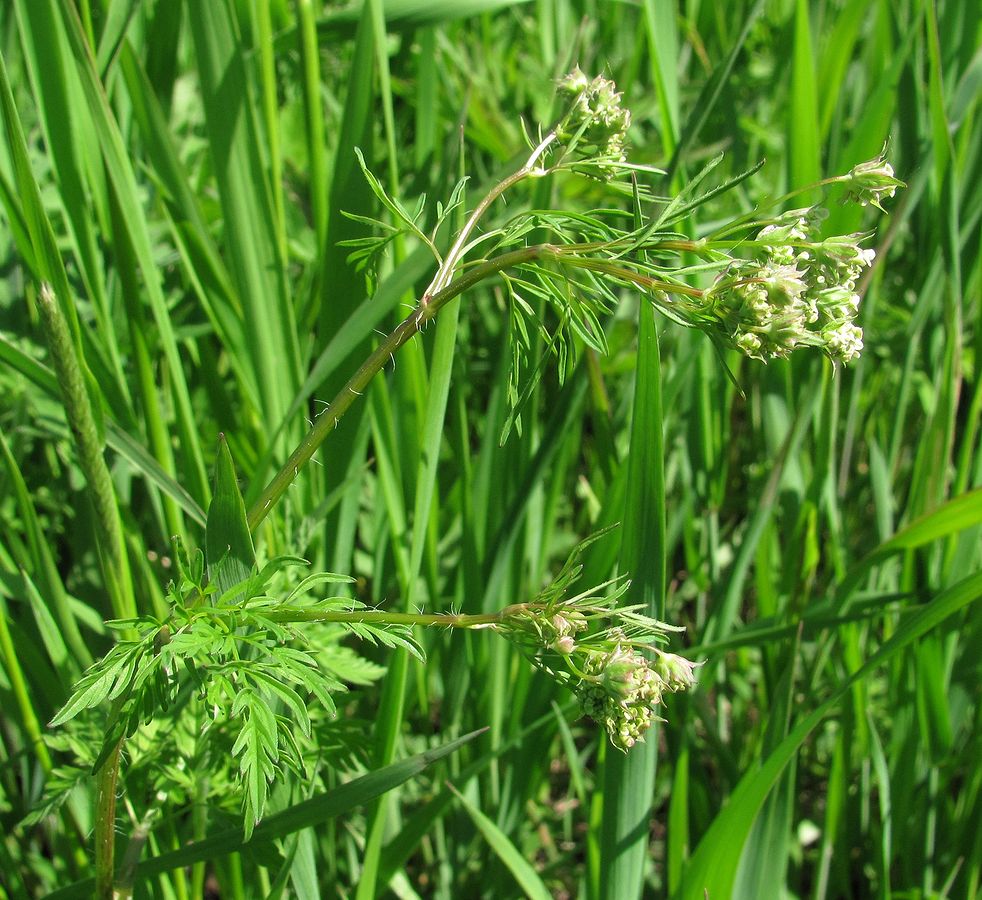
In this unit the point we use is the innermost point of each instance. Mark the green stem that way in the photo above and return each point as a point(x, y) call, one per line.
point(747, 220)
point(437, 295)
point(109, 540)
point(446, 270)
point(383, 617)
point(328, 419)
point(624, 274)
point(441, 290)
point(416, 321)
point(105, 824)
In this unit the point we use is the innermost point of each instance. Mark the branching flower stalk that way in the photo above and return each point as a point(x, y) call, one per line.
point(761, 286)
point(591, 135)
point(251, 649)
point(788, 286)
point(605, 667)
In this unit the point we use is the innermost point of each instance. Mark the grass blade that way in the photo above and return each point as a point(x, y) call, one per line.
point(713, 865)
point(306, 814)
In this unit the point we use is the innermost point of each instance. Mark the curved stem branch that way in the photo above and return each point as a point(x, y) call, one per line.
point(446, 270)
point(329, 418)
point(415, 322)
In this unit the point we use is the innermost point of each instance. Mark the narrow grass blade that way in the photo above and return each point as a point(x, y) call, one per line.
point(952, 517)
point(424, 12)
point(306, 814)
point(713, 865)
point(250, 240)
point(42, 563)
point(663, 44)
point(22, 695)
point(765, 855)
point(711, 91)
point(628, 781)
point(120, 172)
point(804, 159)
point(526, 876)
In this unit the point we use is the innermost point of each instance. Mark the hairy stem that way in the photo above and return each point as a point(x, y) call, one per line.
point(383, 617)
point(329, 418)
point(105, 824)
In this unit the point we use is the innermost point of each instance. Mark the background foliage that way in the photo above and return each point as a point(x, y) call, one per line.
point(195, 162)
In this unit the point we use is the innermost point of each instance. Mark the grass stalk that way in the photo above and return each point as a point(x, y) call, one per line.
point(22, 696)
point(91, 455)
point(112, 548)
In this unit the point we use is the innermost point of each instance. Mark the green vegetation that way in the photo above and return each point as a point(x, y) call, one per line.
point(381, 394)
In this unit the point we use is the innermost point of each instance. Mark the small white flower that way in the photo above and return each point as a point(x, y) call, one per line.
point(845, 342)
point(565, 645)
point(749, 343)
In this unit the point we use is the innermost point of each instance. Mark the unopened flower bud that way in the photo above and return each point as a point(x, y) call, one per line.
point(872, 181)
point(575, 82)
point(596, 123)
point(677, 671)
point(617, 675)
point(565, 645)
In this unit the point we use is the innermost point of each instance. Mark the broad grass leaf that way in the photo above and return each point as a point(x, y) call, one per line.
point(522, 870)
point(231, 555)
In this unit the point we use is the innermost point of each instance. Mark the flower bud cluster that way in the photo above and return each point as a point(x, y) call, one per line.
point(798, 291)
point(621, 692)
point(599, 648)
point(596, 123)
point(560, 629)
point(621, 689)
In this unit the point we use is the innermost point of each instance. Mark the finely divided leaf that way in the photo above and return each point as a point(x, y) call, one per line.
point(257, 747)
point(107, 679)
